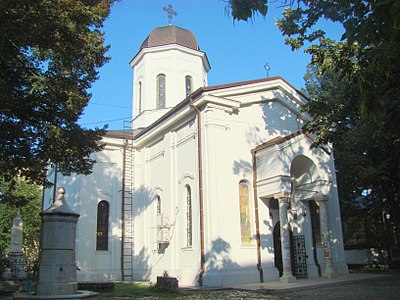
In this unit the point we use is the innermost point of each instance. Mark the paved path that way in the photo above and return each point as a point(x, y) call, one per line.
point(302, 284)
point(354, 286)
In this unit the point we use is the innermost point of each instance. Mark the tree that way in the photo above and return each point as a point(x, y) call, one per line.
point(50, 51)
point(367, 165)
point(29, 205)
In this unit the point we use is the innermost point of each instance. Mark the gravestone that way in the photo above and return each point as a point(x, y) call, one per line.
point(16, 257)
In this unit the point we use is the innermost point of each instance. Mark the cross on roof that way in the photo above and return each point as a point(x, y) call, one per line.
point(170, 13)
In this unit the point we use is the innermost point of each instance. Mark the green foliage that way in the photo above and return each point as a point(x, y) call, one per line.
point(29, 209)
point(367, 158)
point(50, 51)
point(247, 9)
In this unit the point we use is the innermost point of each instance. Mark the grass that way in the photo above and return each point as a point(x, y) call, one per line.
point(124, 290)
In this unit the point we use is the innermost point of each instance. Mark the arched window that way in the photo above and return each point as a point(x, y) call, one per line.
point(103, 209)
point(188, 85)
point(158, 203)
point(245, 224)
point(161, 90)
point(188, 216)
point(140, 96)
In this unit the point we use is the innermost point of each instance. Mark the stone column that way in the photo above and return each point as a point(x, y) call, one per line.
point(57, 265)
point(322, 200)
point(287, 275)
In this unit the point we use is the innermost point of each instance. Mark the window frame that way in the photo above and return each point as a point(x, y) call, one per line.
point(102, 226)
point(188, 90)
point(161, 91)
point(245, 217)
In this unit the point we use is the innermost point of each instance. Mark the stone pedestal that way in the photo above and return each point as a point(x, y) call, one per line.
point(57, 265)
point(17, 265)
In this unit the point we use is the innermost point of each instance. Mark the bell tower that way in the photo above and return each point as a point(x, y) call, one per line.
point(167, 68)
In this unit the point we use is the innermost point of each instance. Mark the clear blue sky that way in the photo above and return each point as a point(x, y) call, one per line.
point(237, 51)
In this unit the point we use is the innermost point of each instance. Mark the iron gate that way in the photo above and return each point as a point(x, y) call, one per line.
point(300, 256)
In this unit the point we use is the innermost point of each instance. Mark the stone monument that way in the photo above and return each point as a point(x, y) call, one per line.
point(57, 265)
point(16, 257)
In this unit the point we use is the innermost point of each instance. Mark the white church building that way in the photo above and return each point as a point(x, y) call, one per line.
point(215, 185)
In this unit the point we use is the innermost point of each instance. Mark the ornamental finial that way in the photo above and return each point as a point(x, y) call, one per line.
point(170, 13)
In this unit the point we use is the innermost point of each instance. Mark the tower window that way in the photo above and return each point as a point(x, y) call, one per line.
point(103, 209)
point(161, 91)
point(140, 96)
point(188, 85)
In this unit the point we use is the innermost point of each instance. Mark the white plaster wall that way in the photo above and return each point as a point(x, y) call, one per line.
point(166, 166)
point(228, 143)
point(187, 258)
point(83, 193)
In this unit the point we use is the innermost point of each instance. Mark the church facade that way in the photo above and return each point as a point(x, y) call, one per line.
point(214, 185)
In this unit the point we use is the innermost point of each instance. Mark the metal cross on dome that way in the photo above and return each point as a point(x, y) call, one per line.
point(170, 13)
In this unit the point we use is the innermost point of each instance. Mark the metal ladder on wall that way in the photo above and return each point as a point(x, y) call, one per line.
point(127, 204)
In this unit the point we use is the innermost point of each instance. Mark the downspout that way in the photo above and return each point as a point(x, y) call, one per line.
point(200, 162)
point(258, 239)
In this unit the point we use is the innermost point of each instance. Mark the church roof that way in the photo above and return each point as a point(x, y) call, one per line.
point(170, 34)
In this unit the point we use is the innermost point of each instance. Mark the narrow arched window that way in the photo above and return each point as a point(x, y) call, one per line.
point(161, 91)
point(188, 85)
point(188, 216)
point(140, 96)
point(158, 203)
point(245, 224)
point(103, 209)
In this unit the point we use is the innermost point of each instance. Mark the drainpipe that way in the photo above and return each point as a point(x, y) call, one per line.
point(200, 162)
point(253, 152)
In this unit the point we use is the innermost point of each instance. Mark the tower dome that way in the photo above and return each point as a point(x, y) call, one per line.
point(170, 35)
point(168, 67)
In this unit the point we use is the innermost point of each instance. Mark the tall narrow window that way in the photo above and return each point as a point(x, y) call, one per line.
point(245, 225)
point(161, 91)
point(103, 209)
point(158, 202)
point(188, 85)
point(188, 216)
point(140, 96)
